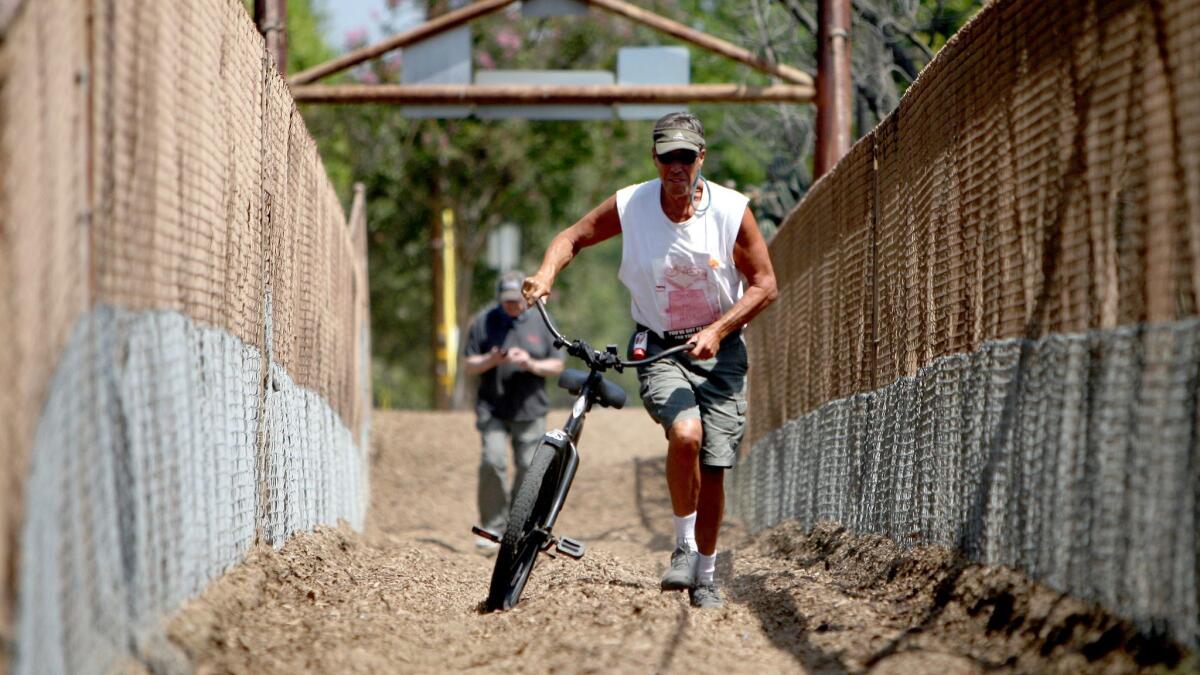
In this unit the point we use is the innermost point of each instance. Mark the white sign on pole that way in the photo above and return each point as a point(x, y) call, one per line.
point(542, 8)
point(651, 65)
point(545, 77)
point(504, 247)
point(442, 59)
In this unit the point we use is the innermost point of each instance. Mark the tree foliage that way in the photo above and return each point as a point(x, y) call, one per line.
point(891, 41)
point(543, 175)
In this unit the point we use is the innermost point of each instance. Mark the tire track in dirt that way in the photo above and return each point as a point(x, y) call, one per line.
point(403, 595)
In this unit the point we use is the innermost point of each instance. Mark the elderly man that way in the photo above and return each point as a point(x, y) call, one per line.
point(687, 245)
point(513, 353)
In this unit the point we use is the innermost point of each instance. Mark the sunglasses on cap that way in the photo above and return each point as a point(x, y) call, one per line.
point(685, 157)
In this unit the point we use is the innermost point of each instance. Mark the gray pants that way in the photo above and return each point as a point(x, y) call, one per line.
point(494, 489)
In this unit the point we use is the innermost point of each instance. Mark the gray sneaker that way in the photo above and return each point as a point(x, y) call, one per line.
point(682, 572)
point(486, 547)
point(706, 596)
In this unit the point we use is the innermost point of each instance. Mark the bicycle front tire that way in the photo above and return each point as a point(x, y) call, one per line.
point(524, 539)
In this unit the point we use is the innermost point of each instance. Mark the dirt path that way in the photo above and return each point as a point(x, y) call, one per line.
point(403, 595)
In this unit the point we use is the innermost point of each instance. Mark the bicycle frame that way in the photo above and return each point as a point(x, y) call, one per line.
point(565, 440)
point(538, 503)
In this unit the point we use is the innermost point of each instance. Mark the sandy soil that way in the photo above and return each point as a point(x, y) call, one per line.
point(403, 596)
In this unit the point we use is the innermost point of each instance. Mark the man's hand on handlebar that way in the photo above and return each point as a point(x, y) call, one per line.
point(705, 344)
point(609, 359)
point(536, 287)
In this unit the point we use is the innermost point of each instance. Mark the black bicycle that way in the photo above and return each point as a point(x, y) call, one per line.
point(544, 489)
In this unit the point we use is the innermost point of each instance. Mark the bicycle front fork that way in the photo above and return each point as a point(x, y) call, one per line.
point(569, 463)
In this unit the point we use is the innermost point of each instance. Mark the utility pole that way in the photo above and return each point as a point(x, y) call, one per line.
point(834, 94)
point(271, 18)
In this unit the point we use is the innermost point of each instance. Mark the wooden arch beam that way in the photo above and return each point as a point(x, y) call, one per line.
point(703, 40)
point(481, 94)
point(620, 8)
point(441, 24)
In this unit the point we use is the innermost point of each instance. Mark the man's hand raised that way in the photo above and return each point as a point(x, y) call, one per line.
point(519, 358)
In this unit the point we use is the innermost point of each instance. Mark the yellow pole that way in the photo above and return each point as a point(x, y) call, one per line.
point(449, 310)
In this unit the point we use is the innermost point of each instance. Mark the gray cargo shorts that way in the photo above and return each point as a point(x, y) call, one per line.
point(712, 391)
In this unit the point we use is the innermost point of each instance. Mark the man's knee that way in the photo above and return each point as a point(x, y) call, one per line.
point(526, 439)
point(712, 477)
point(686, 436)
point(494, 454)
point(491, 466)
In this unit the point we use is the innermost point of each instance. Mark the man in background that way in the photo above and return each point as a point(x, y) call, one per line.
point(512, 352)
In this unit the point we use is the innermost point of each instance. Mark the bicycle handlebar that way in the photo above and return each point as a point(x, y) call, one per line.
point(606, 359)
point(558, 337)
point(687, 346)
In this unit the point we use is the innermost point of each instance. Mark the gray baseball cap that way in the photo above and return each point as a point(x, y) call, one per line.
point(666, 140)
point(508, 289)
point(679, 130)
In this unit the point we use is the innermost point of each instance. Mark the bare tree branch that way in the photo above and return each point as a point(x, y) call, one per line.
point(801, 15)
point(887, 51)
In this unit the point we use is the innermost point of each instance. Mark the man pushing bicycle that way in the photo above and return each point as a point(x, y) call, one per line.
point(687, 246)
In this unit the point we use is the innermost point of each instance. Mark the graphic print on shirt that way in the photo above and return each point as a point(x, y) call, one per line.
point(687, 293)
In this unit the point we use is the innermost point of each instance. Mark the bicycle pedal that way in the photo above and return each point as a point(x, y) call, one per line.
point(572, 548)
point(480, 532)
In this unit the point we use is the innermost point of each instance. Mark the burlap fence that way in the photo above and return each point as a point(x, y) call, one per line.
point(987, 333)
point(184, 314)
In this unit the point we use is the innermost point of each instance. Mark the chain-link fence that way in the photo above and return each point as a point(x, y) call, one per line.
point(184, 313)
point(987, 332)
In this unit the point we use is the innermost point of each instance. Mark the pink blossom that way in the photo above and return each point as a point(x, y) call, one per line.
point(356, 37)
point(369, 77)
point(485, 61)
point(509, 41)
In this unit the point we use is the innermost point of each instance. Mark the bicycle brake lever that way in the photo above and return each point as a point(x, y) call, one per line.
point(580, 350)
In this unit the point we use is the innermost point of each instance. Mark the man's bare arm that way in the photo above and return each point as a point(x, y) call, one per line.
point(600, 224)
point(545, 367)
point(540, 367)
point(752, 259)
point(481, 363)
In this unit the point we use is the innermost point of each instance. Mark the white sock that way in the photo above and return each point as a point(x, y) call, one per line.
point(706, 567)
point(685, 531)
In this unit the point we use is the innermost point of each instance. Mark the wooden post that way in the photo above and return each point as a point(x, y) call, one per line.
point(271, 18)
point(357, 225)
point(833, 84)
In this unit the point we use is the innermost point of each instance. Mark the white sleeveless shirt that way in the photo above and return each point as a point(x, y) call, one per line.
point(681, 275)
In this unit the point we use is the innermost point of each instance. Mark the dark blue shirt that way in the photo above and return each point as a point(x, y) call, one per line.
point(507, 392)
